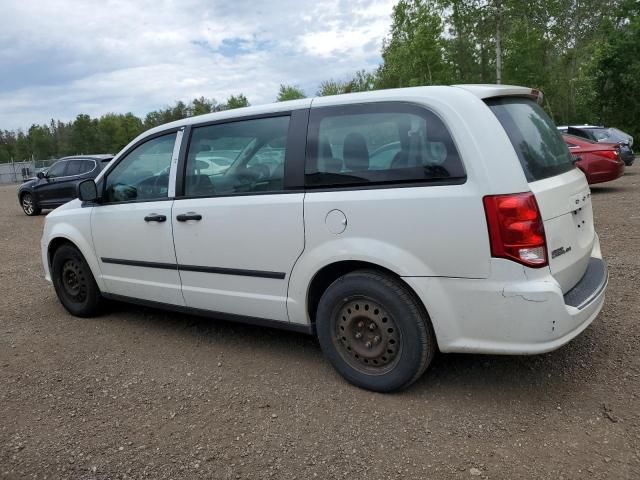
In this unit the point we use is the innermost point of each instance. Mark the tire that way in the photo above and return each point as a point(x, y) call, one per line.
point(374, 331)
point(29, 205)
point(74, 283)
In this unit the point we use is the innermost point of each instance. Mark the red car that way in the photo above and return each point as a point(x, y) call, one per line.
point(600, 162)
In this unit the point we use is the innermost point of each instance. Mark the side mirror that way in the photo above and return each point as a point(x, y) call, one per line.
point(41, 175)
point(87, 191)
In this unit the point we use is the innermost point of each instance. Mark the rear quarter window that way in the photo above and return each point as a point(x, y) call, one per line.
point(540, 148)
point(379, 144)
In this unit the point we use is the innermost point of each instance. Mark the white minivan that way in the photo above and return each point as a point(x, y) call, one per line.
point(391, 224)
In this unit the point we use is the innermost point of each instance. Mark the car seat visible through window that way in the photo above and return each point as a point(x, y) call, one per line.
point(355, 152)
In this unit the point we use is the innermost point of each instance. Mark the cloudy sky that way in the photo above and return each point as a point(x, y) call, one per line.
point(59, 58)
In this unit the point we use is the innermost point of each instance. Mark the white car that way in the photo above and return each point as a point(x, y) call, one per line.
point(477, 236)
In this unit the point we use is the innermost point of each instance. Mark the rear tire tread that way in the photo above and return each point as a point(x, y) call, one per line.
point(426, 335)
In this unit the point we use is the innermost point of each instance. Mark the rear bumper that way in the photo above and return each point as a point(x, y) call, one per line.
point(615, 172)
point(592, 283)
point(495, 316)
point(627, 157)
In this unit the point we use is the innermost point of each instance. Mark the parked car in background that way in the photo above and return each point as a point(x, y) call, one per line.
point(476, 236)
point(600, 162)
point(56, 185)
point(605, 135)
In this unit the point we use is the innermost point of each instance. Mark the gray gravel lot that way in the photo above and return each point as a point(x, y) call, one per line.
point(141, 393)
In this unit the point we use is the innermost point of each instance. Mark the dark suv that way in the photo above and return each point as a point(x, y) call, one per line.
point(57, 184)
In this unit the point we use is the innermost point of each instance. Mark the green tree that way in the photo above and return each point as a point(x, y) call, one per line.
point(289, 92)
point(7, 145)
point(84, 134)
point(333, 87)
point(616, 71)
point(238, 101)
point(41, 142)
point(414, 52)
point(22, 151)
point(116, 130)
point(202, 106)
point(62, 136)
point(363, 81)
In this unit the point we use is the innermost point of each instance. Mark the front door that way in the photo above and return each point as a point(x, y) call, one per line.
point(51, 189)
point(131, 228)
point(237, 230)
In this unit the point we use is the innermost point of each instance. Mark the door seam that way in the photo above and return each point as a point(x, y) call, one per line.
point(175, 253)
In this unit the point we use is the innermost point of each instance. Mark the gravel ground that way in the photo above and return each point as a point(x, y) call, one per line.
point(142, 393)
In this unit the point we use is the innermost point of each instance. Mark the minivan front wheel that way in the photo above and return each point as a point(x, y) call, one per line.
point(74, 283)
point(28, 205)
point(374, 331)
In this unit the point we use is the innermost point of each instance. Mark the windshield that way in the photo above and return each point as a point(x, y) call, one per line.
point(535, 138)
point(615, 136)
point(625, 137)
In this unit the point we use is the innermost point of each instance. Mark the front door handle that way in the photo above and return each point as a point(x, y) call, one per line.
point(154, 217)
point(183, 217)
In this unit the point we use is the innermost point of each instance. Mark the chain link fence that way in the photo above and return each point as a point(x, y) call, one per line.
point(18, 172)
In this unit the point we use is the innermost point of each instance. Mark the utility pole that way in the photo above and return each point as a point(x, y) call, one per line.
point(498, 42)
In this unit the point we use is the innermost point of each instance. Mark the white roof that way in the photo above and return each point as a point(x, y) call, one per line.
point(438, 91)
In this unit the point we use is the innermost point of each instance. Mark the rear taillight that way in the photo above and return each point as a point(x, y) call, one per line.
point(516, 231)
point(610, 154)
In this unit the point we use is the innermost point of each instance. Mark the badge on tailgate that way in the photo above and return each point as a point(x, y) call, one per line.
point(579, 200)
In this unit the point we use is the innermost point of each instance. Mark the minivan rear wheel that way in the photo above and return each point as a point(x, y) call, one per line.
point(374, 331)
point(74, 283)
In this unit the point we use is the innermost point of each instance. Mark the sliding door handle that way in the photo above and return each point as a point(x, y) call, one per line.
point(183, 217)
point(154, 217)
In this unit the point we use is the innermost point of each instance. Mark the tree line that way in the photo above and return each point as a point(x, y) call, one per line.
point(583, 54)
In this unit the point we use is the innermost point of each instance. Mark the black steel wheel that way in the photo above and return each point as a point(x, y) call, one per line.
point(28, 204)
point(374, 331)
point(74, 283)
point(367, 336)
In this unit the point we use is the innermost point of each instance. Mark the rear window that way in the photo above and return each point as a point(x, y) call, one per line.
point(535, 138)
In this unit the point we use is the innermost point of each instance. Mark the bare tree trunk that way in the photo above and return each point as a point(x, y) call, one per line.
point(498, 42)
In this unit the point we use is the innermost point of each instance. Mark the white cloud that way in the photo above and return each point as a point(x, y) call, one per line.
point(64, 57)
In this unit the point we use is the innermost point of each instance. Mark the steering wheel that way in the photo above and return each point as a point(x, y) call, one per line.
point(247, 176)
point(150, 187)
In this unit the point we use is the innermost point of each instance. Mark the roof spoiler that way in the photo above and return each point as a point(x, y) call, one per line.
point(484, 91)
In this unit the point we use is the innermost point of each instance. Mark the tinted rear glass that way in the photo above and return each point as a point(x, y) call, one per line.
point(535, 138)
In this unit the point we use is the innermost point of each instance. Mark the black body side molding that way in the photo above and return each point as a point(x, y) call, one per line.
point(197, 268)
point(229, 317)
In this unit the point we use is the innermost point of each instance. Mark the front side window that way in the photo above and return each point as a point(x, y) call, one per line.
point(238, 157)
point(535, 138)
point(379, 144)
point(57, 169)
point(143, 174)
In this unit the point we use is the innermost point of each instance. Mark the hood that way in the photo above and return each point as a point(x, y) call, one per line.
point(70, 205)
point(29, 182)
